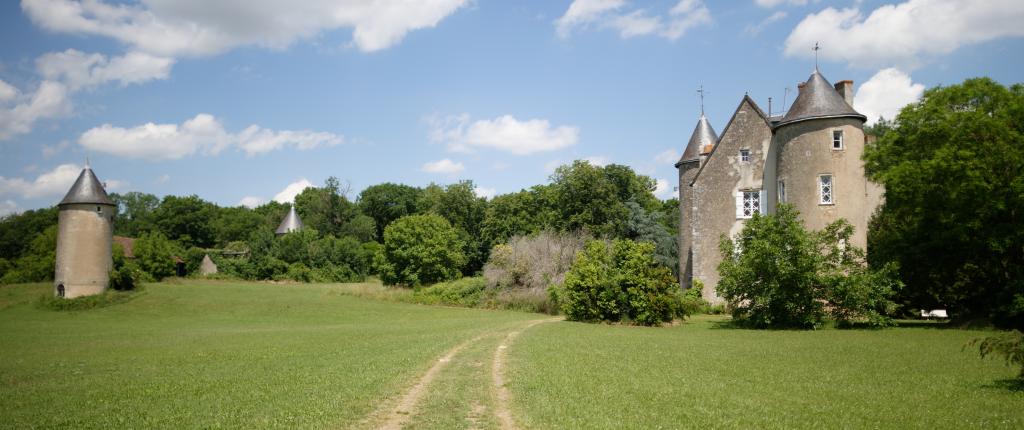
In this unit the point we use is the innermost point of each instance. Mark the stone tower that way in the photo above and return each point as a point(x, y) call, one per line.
point(703, 137)
point(290, 223)
point(84, 239)
point(817, 149)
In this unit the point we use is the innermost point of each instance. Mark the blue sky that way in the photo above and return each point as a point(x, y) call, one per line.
point(243, 101)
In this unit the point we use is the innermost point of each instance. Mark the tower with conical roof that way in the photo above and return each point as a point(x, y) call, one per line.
point(290, 223)
point(84, 238)
point(701, 141)
point(817, 148)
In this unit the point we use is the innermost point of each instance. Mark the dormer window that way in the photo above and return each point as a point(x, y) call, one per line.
point(837, 140)
point(744, 155)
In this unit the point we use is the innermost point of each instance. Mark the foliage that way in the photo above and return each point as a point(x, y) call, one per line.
point(187, 220)
point(953, 170)
point(533, 262)
point(649, 226)
point(17, 231)
point(420, 249)
point(1008, 345)
point(37, 262)
point(104, 299)
point(124, 274)
point(155, 254)
point(514, 214)
point(459, 204)
point(692, 300)
point(326, 208)
point(467, 292)
point(778, 274)
point(619, 281)
point(135, 213)
point(387, 202)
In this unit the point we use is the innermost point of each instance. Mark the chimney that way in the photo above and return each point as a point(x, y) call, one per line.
point(799, 88)
point(845, 89)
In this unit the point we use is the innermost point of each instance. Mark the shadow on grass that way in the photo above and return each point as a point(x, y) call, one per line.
point(1015, 385)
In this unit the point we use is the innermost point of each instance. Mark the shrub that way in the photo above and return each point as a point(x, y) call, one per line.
point(1008, 345)
point(778, 274)
point(154, 254)
point(533, 262)
point(619, 281)
point(420, 249)
point(462, 292)
point(124, 275)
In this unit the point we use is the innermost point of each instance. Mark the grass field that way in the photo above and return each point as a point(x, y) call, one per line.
point(247, 355)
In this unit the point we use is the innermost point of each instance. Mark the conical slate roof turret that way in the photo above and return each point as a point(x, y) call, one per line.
point(703, 135)
point(87, 189)
point(290, 223)
point(818, 99)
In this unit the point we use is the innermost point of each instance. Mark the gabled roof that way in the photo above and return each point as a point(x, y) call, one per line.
point(757, 110)
point(87, 189)
point(703, 135)
point(290, 223)
point(818, 99)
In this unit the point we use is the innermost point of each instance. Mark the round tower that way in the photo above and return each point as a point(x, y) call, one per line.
point(84, 239)
point(817, 148)
point(702, 139)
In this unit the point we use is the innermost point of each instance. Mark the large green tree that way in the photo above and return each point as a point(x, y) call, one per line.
point(420, 250)
point(387, 202)
point(135, 213)
point(187, 220)
point(593, 198)
point(953, 170)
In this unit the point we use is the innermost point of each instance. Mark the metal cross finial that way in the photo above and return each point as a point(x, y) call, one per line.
point(88, 165)
point(816, 48)
point(700, 91)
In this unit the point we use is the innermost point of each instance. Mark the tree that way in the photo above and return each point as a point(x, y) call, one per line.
point(515, 214)
point(135, 213)
point(37, 262)
point(778, 274)
point(594, 198)
point(420, 249)
point(645, 226)
point(953, 170)
point(459, 204)
point(387, 202)
point(18, 230)
point(188, 220)
point(235, 224)
point(325, 209)
point(619, 281)
point(155, 254)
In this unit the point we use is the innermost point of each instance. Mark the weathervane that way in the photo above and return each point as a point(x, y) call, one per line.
point(700, 91)
point(815, 49)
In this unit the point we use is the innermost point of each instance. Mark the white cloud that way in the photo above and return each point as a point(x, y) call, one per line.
point(756, 29)
point(287, 195)
point(7, 92)
point(8, 207)
point(903, 33)
point(176, 28)
point(54, 183)
point(668, 156)
point(685, 15)
point(445, 166)
point(80, 70)
point(204, 134)
point(50, 100)
point(662, 189)
point(885, 94)
point(252, 201)
point(774, 3)
point(504, 133)
point(50, 150)
point(487, 193)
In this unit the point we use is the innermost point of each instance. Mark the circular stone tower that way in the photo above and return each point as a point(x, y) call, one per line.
point(84, 239)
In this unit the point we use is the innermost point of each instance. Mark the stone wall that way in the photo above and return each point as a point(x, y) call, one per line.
point(84, 242)
point(687, 171)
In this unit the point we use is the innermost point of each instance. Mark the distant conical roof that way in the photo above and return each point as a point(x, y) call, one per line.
point(290, 223)
point(703, 135)
point(87, 189)
point(818, 99)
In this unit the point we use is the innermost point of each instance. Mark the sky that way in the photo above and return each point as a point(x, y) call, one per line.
point(245, 101)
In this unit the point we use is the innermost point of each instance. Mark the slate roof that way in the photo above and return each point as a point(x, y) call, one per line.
point(703, 135)
point(290, 223)
point(818, 99)
point(87, 189)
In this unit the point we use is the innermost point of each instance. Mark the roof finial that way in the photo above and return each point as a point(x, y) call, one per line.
point(88, 165)
point(700, 91)
point(816, 48)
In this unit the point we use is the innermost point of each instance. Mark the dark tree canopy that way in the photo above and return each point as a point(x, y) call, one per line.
point(187, 220)
point(387, 202)
point(953, 169)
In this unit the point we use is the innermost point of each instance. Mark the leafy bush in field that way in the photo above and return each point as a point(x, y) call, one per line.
point(124, 274)
point(155, 254)
point(778, 274)
point(533, 262)
point(420, 249)
point(1008, 345)
point(468, 292)
point(619, 281)
point(692, 301)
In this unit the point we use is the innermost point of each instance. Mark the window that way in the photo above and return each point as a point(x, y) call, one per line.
point(825, 188)
point(782, 192)
point(837, 139)
point(750, 203)
point(744, 155)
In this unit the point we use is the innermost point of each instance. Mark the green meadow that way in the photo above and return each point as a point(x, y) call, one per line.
point(221, 354)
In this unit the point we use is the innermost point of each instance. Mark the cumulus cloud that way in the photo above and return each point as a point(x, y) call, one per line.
point(505, 133)
point(8, 207)
point(253, 201)
point(52, 184)
point(662, 189)
point(902, 34)
point(885, 94)
point(176, 28)
point(487, 193)
point(612, 14)
point(287, 195)
point(19, 112)
point(7, 92)
point(80, 70)
point(445, 166)
point(202, 134)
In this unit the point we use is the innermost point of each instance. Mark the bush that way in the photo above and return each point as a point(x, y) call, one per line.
point(124, 274)
point(778, 274)
point(1008, 345)
point(420, 249)
point(620, 281)
point(154, 254)
point(533, 262)
point(463, 292)
point(692, 301)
